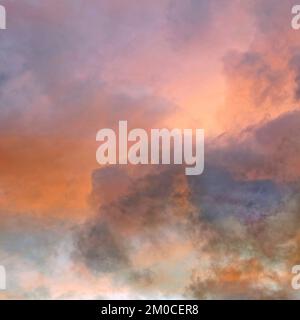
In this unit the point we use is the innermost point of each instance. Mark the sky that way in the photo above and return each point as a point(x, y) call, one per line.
point(73, 229)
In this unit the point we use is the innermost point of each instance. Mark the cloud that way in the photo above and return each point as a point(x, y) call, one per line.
point(102, 251)
point(268, 150)
point(190, 18)
point(227, 219)
point(71, 68)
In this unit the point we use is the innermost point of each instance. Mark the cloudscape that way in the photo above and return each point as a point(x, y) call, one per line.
point(72, 228)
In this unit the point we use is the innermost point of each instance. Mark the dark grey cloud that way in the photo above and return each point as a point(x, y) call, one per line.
point(266, 150)
point(224, 213)
point(101, 250)
point(219, 194)
point(104, 243)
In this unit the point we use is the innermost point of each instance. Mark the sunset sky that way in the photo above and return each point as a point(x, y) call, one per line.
point(70, 228)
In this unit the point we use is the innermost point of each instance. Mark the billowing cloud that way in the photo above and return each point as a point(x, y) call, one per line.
point(70, 228)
